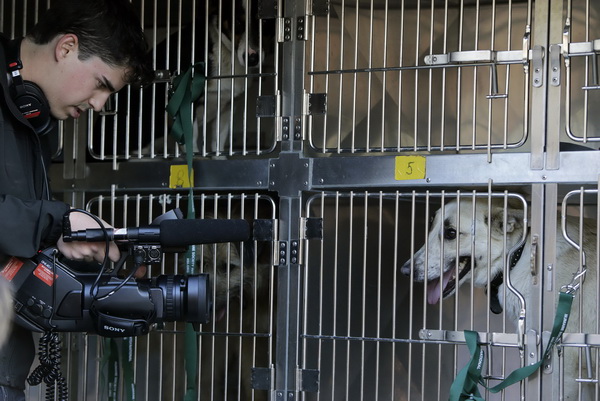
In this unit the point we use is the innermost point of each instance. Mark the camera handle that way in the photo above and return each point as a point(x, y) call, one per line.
point(114, 326)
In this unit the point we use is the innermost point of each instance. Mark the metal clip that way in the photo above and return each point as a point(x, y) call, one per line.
point(573, 286)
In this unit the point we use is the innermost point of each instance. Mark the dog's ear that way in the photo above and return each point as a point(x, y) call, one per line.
point(514, 221)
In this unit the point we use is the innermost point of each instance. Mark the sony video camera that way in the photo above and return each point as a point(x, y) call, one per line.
point(50, 295)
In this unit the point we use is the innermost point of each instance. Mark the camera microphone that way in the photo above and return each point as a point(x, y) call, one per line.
point(172, 232)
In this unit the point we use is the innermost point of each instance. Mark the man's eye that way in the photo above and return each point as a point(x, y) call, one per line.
point(450, 233)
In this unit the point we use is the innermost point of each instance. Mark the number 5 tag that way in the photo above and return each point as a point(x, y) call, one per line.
point(410, 167)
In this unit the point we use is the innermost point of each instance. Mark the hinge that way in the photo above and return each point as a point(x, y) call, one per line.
point(291, 128)
point(284, 30)
point(302, 28)
point(288, 251)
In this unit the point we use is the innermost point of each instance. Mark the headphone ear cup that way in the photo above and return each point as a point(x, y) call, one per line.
point(32, 103)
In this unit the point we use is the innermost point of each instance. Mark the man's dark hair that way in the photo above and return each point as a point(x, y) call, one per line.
point(108, 29)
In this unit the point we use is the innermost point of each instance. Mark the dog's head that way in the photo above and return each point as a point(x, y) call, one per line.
point(464, 239)
point(236, 280)
point(239, 28)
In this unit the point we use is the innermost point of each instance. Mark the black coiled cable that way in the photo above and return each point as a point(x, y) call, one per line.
point(49, 369)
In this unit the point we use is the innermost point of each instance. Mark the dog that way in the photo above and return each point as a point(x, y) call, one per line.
point(458, 224)
point(228, 51)
point(238, 338)
point(235, 52)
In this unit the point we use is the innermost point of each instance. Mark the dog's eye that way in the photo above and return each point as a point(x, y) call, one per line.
point(450, 233)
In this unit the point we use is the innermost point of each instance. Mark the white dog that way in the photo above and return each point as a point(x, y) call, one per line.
point(234, 52)
point(470, 257)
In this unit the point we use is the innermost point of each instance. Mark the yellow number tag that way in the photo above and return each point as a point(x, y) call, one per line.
point(410, 167)
point(179, 177)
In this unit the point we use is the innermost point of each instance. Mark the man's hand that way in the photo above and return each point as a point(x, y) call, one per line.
point(87, 251)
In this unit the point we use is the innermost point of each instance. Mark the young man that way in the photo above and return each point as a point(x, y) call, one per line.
point(71, 61)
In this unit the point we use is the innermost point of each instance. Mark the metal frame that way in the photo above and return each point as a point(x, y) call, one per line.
point(297, 167)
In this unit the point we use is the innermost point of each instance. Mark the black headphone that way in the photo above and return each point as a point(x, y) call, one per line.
point(27, 96)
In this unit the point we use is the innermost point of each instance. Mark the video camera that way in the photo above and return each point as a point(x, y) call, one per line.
point(49, 295)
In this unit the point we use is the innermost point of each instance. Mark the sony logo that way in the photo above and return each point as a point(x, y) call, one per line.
point(116, 329)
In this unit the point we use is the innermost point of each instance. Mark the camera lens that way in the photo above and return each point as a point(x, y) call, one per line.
point(186, 298)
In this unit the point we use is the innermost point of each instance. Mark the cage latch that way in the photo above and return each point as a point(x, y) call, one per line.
point(450, 336)
point(313, 228)
point(590, 49)
point(262, 378)
point(263, 230)
point(316, 103)
point(308, 380)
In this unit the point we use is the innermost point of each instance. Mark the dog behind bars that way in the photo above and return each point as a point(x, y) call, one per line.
point(224, 37)
point(239, 337)
point(466, 258)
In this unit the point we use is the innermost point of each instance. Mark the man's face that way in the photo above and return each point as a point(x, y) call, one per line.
point(75, 86)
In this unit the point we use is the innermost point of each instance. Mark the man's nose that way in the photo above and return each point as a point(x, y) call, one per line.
point(98, 100)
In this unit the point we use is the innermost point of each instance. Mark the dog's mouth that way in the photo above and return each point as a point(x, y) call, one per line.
point(222, 307)
point(448, 281)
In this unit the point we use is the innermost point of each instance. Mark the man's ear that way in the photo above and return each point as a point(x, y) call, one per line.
point(67, 44)
point(514, 221)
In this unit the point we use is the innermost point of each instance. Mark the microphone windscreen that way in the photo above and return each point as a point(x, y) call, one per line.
point(184, 232)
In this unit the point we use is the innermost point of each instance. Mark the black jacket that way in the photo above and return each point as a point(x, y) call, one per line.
point(29, 219)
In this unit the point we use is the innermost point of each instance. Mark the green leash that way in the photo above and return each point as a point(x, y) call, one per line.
point(188, 88)
point(465, 385)
point(116, 364)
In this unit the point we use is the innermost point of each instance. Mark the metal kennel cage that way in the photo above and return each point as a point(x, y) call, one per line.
point(361, 119)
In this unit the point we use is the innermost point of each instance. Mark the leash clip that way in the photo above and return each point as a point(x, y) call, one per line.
point(578, 279)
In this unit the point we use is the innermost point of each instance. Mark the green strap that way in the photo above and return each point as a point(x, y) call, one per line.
point(127, 357)
point(109, 369)
point(116, 364)
point(465, 384)
point(465, 387)
point(188, 88)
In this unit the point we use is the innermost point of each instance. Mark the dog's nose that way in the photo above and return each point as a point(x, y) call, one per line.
point(252, 59)
point(405, 269)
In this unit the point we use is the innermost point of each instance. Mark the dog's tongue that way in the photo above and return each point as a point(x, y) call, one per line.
point(433, 287)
